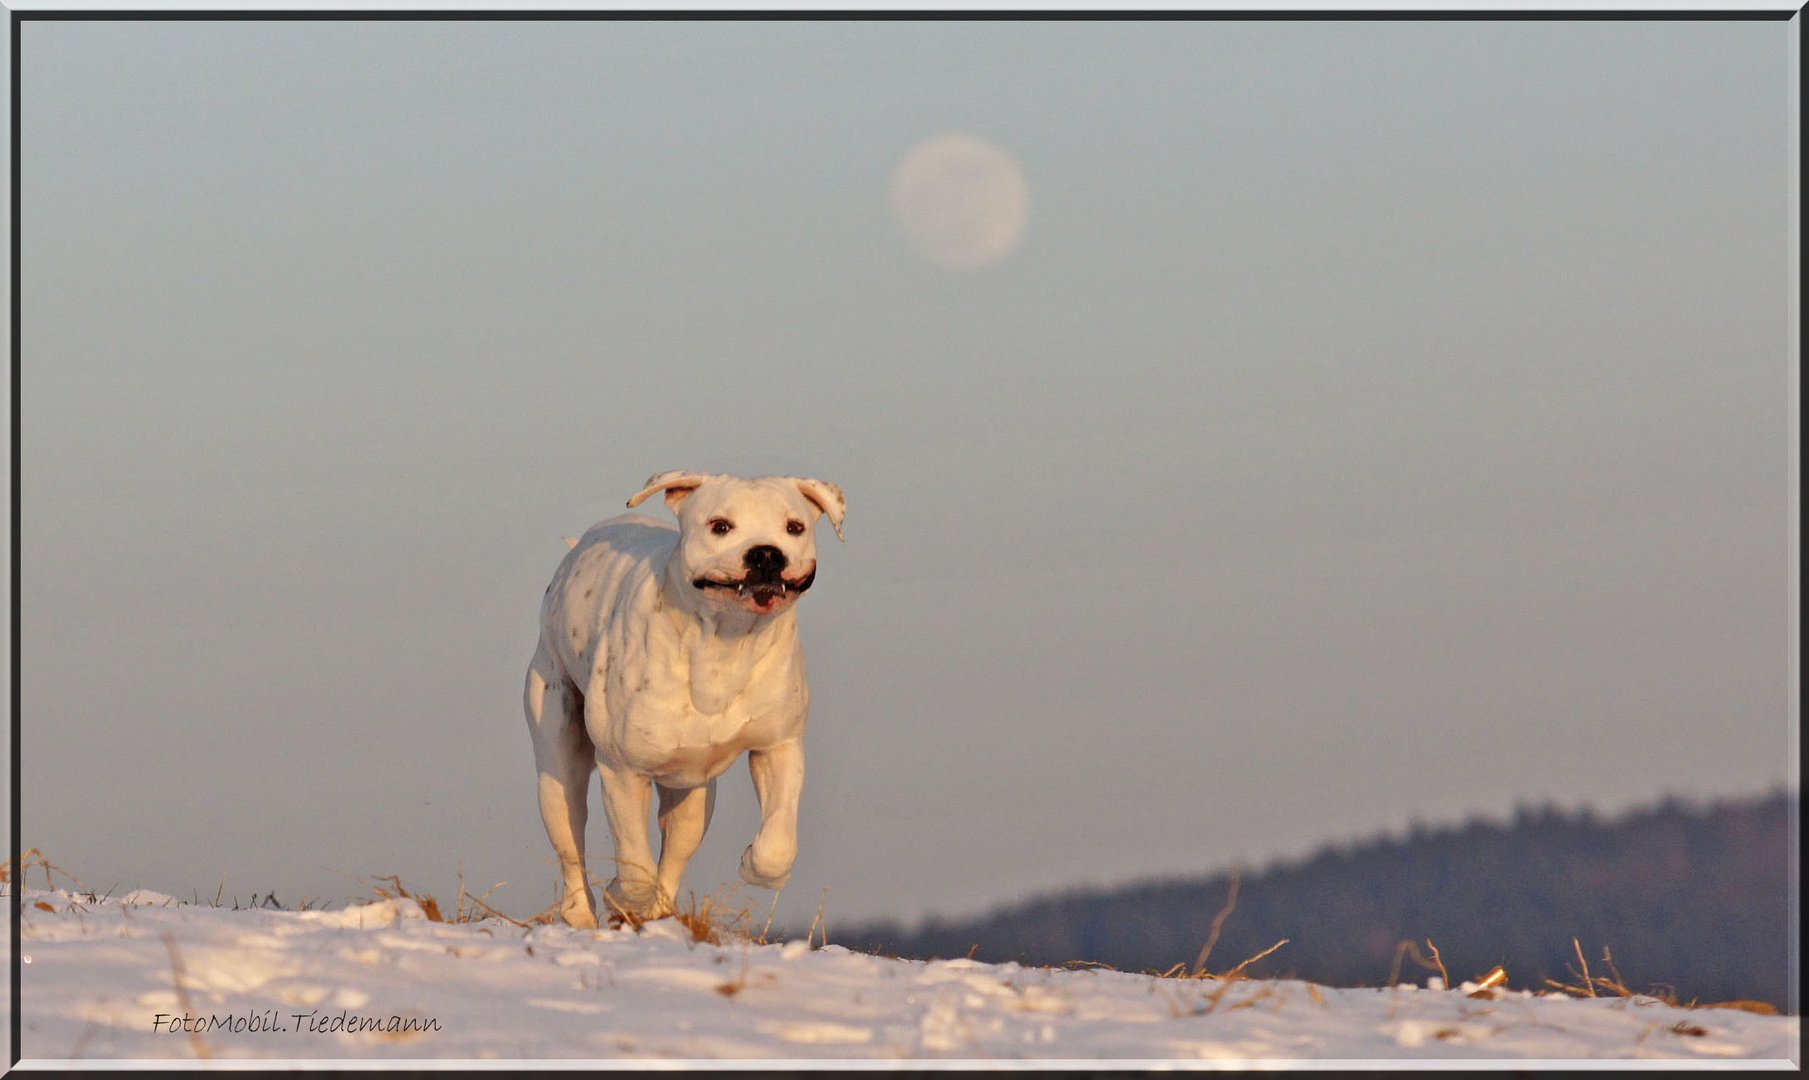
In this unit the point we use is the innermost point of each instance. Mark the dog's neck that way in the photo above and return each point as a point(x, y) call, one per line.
point(721, 647)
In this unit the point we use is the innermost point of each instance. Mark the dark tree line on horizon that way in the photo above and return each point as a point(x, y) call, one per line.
point(1697, 901)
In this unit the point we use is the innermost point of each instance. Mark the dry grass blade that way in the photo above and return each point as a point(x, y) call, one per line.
point(1410, 948)
point(709, 920)
point(810, 934)
point(697, 921)
point(179, 975)
point(1618, 983)
point(770, 912)
point(1250, 1001)
point(1218, 923)
point(547, 916)
point(1218, 996)
point(469, 904)
point(478, 902)
point(1613, 981)
point(31, 857)
point(620, 916)
point(1238, 971)
point(429, 906)
point(1580, 989)
point(713, 918)
point(1763, 1008)
point(1588, 983)
point(1443, 975)
point(1235, 975)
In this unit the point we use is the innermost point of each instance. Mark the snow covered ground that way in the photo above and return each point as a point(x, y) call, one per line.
point(114, 979)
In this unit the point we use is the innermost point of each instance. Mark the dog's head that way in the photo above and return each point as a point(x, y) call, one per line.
point(747, 544)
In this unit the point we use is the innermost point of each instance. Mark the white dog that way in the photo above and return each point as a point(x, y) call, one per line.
point(664, 653)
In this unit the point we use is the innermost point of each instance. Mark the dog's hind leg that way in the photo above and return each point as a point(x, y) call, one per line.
point(684, 815)
point(564, 758)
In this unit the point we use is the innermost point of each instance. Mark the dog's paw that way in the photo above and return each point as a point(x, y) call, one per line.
point(765, 876)
point(580, 920)
point(578, 912)
point(634, 900)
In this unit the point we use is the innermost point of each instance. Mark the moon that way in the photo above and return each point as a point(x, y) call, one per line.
point(960, 201)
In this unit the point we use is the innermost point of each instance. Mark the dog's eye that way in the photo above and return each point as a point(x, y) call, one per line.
point(721, 526)
point(796, 528)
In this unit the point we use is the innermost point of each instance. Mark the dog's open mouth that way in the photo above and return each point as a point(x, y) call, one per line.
point(758, 593)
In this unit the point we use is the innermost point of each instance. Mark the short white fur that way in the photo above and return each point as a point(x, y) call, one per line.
point(661, 684)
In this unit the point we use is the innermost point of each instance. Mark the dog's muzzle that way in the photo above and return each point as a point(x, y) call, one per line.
point(764, 579)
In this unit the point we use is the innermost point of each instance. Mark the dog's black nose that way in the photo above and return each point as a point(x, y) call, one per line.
point(764, 559)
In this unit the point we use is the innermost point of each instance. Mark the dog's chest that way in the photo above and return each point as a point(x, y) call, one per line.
point(666, 694)
point(696, 705)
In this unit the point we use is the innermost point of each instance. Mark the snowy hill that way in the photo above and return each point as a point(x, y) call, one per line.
point(114, 978)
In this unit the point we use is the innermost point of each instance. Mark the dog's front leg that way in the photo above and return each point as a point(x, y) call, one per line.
point(684, 815)
point(627, 797)
point(778, 773)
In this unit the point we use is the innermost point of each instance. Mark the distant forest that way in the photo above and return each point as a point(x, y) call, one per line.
point(1699, 901)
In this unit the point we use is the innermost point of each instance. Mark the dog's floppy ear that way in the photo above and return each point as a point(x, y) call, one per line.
point(827, 497)
point(676, 484)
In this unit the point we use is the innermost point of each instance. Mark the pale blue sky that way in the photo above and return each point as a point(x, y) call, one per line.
point(1379, 421)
